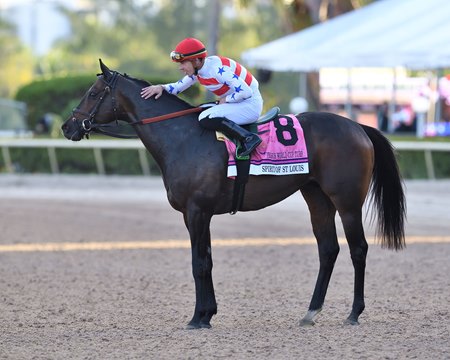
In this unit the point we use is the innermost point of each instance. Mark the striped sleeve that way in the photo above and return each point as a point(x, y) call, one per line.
point(181, 85)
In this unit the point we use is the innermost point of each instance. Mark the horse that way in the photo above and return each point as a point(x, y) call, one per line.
point(349, 162)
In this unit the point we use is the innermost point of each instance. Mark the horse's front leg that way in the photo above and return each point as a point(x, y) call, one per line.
point(198, 224)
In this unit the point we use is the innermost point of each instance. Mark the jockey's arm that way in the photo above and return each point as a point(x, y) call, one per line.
point(173, 88)
point(181, 85)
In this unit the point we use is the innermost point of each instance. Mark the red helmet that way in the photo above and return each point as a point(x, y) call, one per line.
point(189, 48)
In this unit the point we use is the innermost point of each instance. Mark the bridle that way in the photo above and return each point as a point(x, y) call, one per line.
point(88, 124)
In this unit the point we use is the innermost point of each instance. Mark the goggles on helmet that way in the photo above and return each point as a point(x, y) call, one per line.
point(179, 57)
point(176, 56)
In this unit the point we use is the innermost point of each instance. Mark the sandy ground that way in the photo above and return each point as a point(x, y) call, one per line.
point(99, 268)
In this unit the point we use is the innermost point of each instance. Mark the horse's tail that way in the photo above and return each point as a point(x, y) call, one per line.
point(387, 192)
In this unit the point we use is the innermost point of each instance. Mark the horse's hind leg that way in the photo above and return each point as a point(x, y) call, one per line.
point(323, 222)
point(198, 224)
point(354, 232)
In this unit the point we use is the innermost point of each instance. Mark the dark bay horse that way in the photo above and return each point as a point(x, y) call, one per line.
point(347, 161)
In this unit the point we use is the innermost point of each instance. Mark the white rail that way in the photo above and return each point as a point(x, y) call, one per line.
point(98, 145)
point(427, 147)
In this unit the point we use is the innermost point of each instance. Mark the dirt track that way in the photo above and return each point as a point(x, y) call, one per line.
point(99, 268)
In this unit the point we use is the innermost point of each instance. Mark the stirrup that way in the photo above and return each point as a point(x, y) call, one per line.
point(239, 150)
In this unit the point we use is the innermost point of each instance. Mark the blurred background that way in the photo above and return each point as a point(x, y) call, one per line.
point(301, 51)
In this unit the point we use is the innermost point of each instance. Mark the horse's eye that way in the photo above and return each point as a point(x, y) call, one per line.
point(93, 94)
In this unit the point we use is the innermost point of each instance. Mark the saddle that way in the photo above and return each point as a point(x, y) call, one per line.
point(264, 118)
point(268, 116)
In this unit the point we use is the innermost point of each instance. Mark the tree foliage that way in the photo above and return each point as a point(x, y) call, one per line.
point(16, 63)
point(137, 36)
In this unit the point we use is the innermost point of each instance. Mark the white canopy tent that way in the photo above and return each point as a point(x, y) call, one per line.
point(387, 33)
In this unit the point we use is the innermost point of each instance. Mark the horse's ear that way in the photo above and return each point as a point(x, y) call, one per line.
point(105, 70)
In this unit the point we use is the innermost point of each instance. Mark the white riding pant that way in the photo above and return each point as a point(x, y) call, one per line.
point(244, 112)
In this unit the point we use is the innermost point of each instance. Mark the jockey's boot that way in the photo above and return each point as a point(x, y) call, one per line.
point(249, 141)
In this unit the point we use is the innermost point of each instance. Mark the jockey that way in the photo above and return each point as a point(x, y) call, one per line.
point(239, 103)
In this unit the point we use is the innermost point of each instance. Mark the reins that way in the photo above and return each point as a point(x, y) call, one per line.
point(100, 129)
point(175, 114)
point(168, 116)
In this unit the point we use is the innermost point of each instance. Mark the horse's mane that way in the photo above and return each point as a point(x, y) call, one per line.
point(144, 83)
point(138, 81)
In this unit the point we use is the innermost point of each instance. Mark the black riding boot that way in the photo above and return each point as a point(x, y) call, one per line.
point(249, 141)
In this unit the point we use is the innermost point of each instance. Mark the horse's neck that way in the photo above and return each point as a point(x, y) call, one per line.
point(138, 108)
point(166, 140)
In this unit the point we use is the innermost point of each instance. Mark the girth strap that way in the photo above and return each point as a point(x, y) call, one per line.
point(243, 169)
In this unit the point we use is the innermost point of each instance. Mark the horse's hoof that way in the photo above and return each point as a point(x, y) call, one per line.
point(307, 322)
point(200, 325)
point(308, 319)
point(192, 326)
point(349, 321)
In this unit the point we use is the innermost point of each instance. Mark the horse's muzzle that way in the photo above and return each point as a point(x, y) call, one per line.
point(71, 130)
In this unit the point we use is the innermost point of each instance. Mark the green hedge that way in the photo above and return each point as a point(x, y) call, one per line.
point(60, 95)
point(52, 96)
point(412, 164)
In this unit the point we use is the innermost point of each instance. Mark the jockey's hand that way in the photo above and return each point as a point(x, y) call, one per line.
point(153, 90)
point(222, 100)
